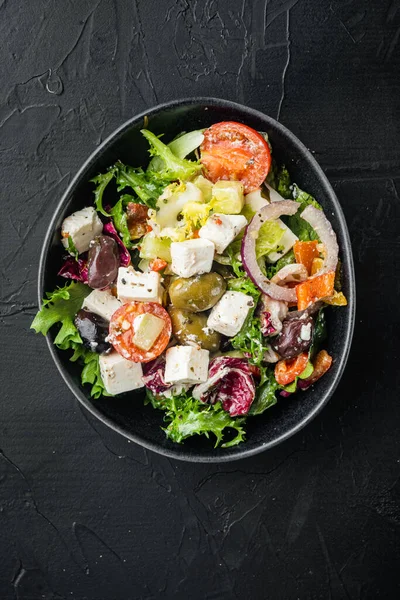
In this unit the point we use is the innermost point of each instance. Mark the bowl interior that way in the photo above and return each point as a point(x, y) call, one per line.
point(127, 414)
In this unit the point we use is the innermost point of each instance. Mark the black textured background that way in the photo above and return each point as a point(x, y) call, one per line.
point(86, 515)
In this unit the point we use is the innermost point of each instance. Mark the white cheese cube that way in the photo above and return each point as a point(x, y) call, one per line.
point(147, 328)
point(192, 257)
point(222, 229)
point(186, 364)
point(102, 303)
point(143, 287)
point(229, 314)
point(82, 227)
point(118, 374)
point(254, 200)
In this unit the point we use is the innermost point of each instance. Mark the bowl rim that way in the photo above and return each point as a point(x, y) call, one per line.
point(242, 452)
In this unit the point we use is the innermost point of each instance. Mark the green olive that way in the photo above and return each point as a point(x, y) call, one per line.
point(222, 270)
point(192, 327)
point(197, 293)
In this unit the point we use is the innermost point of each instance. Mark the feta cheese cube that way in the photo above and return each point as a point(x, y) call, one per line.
point(118, 374)
point(147, 328)
point(143, 287)
point(192, 257)
point(305, 332)
point(82, 227)
point(229, 314)
point(186, 364)
point(255, 200)
point(102, 303)
point(222, 229)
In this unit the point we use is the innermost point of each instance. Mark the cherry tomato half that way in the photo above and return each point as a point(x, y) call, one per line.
point(234, 151)
point(122, 331)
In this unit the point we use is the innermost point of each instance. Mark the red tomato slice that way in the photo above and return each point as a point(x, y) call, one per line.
point(234, 151)
point(122, 331)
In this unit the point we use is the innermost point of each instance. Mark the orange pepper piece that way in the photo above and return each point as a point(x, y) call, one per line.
point(305, 253)
point(322, 364)
point(287, 370)
point(158, 264)
point(314, 289)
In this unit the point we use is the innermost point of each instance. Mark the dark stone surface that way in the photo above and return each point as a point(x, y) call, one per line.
point(83, 513)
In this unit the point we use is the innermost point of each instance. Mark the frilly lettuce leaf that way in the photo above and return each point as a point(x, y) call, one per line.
point(186, 417)
point(181, 146)
point(61, 306)
point(173, 166)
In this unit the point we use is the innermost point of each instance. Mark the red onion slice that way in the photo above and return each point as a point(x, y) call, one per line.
point(248, 250)
point(322, 227)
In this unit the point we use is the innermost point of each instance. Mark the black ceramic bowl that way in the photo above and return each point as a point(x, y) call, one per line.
point(127, 414)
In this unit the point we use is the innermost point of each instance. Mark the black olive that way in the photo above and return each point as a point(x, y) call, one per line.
point(289, 343)
point(93, 330)
point(103, 262)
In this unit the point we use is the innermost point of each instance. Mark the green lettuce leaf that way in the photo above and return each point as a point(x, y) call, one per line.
point(269, 236)
point(245, 285)
point(102, 180)
point(61, 306)
point(91, 374)
point(72, 248)
point(304, 198)
point(287, 259)
point(265, 395)
point(250, 339)
point(320, 333)
point(279, 179)
point(185, 417)
point(145, 185)
point(299, 226)
point(233, 253)
point(174, 167)
point(91, 370)
point(119, 217)
point(181, 146)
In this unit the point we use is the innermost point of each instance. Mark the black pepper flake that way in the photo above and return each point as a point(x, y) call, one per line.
point(149, 290)
point(123, 281)
point(250, 303)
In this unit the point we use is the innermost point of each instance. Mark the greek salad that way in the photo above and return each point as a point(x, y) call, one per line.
point(202, 279)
